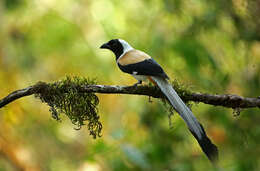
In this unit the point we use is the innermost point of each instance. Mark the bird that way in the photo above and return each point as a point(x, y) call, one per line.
point(143, 67)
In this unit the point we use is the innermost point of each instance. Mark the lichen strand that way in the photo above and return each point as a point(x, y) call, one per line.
point(65, 97)
point(236, 111)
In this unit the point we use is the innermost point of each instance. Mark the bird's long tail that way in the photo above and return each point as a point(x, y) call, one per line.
point(194, 126)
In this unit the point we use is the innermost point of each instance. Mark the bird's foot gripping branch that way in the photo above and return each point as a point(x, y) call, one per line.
point(66, 97)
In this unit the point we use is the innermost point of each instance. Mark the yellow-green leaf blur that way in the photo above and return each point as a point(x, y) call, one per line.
point(209, 46)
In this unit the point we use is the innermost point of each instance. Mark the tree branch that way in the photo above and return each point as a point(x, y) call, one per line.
point(16, 95)
point(227, 100)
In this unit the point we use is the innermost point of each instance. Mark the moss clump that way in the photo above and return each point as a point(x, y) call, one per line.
point(181, 89)
point(66, 97)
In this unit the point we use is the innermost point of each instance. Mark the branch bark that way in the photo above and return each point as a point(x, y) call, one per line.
point(226, 100)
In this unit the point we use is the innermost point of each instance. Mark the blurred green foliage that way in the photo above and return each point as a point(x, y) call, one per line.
point(211, 46)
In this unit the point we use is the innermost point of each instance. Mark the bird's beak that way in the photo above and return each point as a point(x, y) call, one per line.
point(105, 46)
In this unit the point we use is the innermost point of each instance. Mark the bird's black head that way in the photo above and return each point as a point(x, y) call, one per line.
point(115, 46)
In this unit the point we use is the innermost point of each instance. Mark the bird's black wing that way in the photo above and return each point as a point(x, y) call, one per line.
point(147, 67)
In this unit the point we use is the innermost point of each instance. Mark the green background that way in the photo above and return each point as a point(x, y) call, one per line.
point(209, 46)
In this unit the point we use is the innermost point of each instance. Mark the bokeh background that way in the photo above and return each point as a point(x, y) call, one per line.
point(209, 46)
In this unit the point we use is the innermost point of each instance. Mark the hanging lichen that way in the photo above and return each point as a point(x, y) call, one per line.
point(236, 111)
point(65, 97)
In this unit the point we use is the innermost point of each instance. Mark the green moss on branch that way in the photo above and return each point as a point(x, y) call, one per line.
point(65, 97)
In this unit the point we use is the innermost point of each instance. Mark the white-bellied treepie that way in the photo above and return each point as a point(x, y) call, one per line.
point(143, 67)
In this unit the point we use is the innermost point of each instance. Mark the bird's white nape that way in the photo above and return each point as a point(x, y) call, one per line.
point(126, 46)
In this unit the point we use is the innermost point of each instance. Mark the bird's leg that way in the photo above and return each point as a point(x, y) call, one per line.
point(150, 99)
point(139, 82)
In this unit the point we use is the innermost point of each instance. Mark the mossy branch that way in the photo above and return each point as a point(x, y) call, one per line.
point(75, 97)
